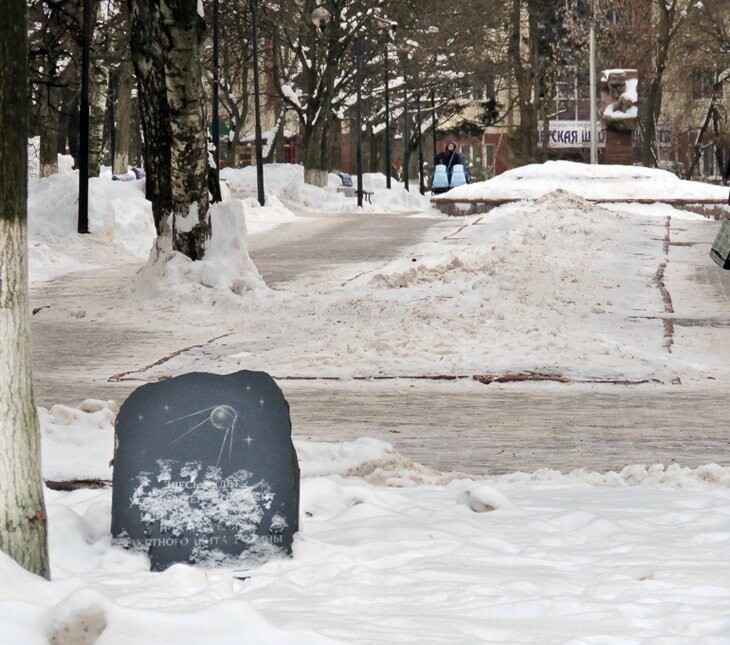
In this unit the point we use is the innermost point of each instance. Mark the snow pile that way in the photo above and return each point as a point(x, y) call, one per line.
point(377, 462)
point(225, 268)
point(78, 443)
point(637, 555)
point(539, 287)
point(65, 162)
point(597, 182)
point(120, 221)
point(285, 182)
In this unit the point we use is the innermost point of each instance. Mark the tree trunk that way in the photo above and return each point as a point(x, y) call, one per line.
point(22, 511)
point(49, 122)
point(123, 117)
point(523, 143)
point(99, 89)
point(376, 144)
point(147, 45)
point(653, 110)
point(166, 38)
point(314, 157)
point(123, 112)
point(232, 146)
point(191, 222)
point(654, 96)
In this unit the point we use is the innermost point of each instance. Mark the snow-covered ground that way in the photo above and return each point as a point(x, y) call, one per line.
point(399, 554)
point(389, 551)
point(601, 183)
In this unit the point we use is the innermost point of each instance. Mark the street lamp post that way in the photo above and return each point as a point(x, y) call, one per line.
point(406, 138)
point(387, 121)
point(83, 215)
point(592, 89)
point(433, 121)
point(257, 106)
point(358, 118)
point(419, 134)
point(388, 29)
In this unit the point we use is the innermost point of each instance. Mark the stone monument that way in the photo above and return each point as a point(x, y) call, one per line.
point(620, 114)
point(205, 471)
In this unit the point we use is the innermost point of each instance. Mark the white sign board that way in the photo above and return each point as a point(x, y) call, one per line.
point(572, 134)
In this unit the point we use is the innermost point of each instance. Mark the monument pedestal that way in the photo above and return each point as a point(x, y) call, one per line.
point(619, 148)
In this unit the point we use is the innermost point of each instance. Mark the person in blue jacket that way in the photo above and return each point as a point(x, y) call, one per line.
point(449, 158)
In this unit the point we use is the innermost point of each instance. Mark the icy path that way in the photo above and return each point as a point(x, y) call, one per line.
point(452, 426)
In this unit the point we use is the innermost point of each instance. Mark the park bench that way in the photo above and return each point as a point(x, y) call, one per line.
point(349, 190)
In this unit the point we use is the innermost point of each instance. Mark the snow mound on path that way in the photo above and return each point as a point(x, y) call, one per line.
point(558, 237)
point(225, 269)
point(536, 287)
point(604, 182)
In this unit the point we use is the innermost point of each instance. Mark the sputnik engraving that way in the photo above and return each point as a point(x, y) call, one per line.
point(220, 417)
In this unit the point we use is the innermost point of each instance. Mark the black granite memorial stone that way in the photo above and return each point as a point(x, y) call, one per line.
point(205, 471)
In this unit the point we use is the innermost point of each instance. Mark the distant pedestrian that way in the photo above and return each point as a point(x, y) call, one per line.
point(449, 156)
point(449, 169)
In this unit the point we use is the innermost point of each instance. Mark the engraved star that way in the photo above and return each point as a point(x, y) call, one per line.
point(248, 440)
point(248, 388)
point(261, 402)
point(140, 417)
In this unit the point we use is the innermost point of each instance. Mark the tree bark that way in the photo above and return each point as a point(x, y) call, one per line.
point(166, 37)
point(22, 511)
point(123, 116)
point(313, 144)
point(524, 137)
point(148, 42)
point(191, 222)
point(123, 111)
point(99, 88)
point(49, 122)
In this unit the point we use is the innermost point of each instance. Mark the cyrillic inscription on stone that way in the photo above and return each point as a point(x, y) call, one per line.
point(205, 471)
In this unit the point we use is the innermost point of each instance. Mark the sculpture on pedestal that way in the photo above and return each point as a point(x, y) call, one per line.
point(620, 114)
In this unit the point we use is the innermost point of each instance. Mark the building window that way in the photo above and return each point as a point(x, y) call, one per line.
point(703, 85)
point(710, 168)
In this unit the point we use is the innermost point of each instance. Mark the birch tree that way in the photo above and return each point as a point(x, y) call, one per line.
point(166, 38)
point(22, 511)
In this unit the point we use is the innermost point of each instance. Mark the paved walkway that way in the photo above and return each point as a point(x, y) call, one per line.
point(289, 252)
point(497, 429)
point(475, 429)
